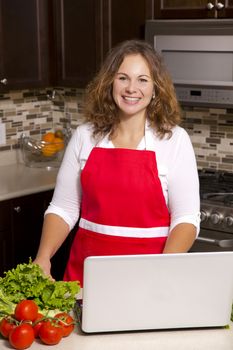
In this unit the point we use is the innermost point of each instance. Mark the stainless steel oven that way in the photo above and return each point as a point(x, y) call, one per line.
point(216, 191)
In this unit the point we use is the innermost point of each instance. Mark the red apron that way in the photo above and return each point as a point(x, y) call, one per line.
point(123, 208)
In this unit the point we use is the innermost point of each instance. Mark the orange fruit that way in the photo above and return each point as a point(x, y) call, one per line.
point(48, 137)
point(59, 133)
point(59, 143)
point(48, 150)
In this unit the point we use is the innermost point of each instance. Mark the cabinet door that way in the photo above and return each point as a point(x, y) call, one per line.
point(86, 29)
point(77, 40)
point(6, 245)
point(175, 9)
point(23, 43)
point(27, 219)
point(225, 9)
point(125, 20)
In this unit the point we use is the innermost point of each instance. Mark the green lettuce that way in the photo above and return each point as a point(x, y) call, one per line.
point(27, 281)
point(6, 306)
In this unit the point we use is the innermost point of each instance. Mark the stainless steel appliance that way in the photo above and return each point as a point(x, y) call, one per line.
point(216, 191)
point(199, 57)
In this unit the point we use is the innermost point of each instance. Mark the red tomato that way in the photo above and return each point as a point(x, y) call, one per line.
point(26, 310)
point(37, 324)
point(67, 323)
point(50, 333)
point(6, 326)
point(22, 336)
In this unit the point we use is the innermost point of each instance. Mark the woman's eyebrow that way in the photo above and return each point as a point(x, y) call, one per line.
point(141, 75)
point(144, 75)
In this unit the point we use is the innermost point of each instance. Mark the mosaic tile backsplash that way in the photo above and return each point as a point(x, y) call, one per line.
point(211, 133)
point(33, 112)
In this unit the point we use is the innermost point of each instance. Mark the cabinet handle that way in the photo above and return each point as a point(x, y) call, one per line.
point(17, 209)
point(4, 81)
point(210, 6)
point(219, 6)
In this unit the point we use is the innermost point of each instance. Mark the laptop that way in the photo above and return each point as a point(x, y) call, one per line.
point(154, 292)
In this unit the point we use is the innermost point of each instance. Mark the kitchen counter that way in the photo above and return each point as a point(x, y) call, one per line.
point(196, 339)
point(17, 180)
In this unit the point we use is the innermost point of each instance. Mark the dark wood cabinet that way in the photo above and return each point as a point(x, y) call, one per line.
point(6, 238)
point(85, 30)
point(125, 20)
point(63, 43)
point(76, 40)
point(21, 221)
point(24, 43)
point(227, 10)
point(182, 9)
point(26, 223)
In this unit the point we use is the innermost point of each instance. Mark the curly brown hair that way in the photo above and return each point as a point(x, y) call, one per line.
point(100, 110)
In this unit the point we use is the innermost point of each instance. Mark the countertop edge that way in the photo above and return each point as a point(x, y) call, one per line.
point(23, 193)
point(18, 180)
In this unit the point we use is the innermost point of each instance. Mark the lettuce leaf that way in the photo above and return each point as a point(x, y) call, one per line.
point(27, 281)
point(59, 294)
point(6, 306)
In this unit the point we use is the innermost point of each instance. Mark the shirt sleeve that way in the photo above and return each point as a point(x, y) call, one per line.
point(183, 182)
point(67, 194)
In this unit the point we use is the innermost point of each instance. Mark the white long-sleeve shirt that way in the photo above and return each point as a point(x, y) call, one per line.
point(176, 168)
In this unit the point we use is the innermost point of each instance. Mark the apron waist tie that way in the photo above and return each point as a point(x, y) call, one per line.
point(148, 232)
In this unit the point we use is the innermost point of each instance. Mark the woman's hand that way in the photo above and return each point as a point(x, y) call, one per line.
point(45, 265)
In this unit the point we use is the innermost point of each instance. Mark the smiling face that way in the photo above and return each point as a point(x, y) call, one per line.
point(133, 86)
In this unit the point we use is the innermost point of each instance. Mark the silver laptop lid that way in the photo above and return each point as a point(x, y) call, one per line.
point(142, 292)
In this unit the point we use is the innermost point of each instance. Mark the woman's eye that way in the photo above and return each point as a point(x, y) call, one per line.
point(122, 78)
point(143, 80)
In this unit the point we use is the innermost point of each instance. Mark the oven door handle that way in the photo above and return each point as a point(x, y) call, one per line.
point(223, 243)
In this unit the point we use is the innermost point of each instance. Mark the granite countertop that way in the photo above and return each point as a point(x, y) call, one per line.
point(191, 339)
point(18, 180)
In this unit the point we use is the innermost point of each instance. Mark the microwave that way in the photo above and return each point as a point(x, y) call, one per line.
point(199, 57)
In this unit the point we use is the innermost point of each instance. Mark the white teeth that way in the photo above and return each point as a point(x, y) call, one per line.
point(131, 98)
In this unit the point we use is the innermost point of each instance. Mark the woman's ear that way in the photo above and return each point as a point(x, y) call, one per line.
point(153, 94)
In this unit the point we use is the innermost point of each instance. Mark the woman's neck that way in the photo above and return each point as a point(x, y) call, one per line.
point(129, 133)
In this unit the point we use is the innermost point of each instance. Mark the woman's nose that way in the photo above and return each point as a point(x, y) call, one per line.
point(131, 86)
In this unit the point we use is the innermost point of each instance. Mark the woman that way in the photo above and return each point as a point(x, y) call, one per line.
point(129, 172)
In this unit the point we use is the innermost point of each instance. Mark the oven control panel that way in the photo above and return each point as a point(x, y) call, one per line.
point(205, 96)
point(217, 218)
